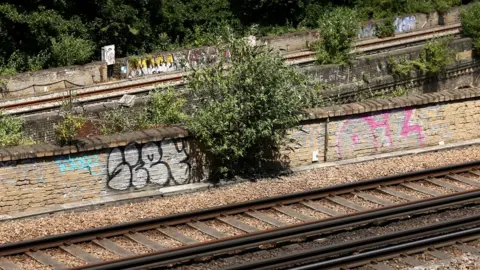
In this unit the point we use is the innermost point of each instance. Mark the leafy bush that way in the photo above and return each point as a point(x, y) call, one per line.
point(11, 131)
point(338, 30)
point(69, 50)
point(241, 113)
point(164, 107)
point(433, 60)
point(437, 56)
point(66, 130)
point(116, 120)
point(471, 23)
point(385, 29)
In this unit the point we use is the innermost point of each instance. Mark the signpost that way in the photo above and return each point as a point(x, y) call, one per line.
point(108, 56)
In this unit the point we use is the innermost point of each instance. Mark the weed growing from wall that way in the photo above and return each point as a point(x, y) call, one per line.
point(11, 131)
point(433, 60)
point(66, 130)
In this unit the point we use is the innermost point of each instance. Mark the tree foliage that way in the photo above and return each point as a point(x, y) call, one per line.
point(29, 27)
point(339, 28)
point(433, 60)
point(11, 131)
point(471, 23)
point(242, 112)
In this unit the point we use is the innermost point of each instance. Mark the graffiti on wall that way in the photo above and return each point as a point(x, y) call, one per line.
point(370, 133)
point(32, 175)
point(171, 62)
point(161, 163)
point(368, 30)
point(154, 65)
point(83, 163)
point(405, 24)
point(309, 136)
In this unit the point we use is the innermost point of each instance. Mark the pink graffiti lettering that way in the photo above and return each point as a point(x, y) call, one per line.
point(372, 124)
point(369, 123)
point(407, 128)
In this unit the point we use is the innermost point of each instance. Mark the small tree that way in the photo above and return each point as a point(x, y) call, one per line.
point(11, 131)
point(165, 107)
point(242, 112)
point(338, 29)
point(471, 23)
point(385, 29)
point(69, 50)
point(66, 130)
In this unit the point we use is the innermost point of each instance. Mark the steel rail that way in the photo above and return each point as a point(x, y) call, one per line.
point(238, 208)
point(180, 78)
point(370, 248)
point(312, 230)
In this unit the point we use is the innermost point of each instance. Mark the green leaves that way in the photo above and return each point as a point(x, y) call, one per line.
point(338, 29)
point(239, 110)
point(70, 50)
point(433, 60)
point(471, 23)
point(11, 131)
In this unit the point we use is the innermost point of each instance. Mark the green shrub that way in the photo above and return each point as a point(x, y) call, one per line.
point(385, 29)
point(116, 120)
point(433, 60)
point(471, 23)
point(69, 50)
point(240, 114)
point(338, 29)
point(66, 130)
point(11, 131)
point(164, 108)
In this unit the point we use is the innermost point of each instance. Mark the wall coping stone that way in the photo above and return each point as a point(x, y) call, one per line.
point(93, 143)
point(370, 106)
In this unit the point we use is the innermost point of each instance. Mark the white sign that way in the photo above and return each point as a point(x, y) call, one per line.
point(108, 54)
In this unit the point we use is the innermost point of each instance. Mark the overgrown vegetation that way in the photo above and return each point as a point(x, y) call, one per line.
point(66, 130)
point(164, 107)
point(339, 28)
point(385, 29)
point(11, 131)
point(433, 60)
point(41, 34)
point(471, 23)
point(241, 114)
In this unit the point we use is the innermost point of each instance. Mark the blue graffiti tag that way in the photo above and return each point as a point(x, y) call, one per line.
point(86, 163)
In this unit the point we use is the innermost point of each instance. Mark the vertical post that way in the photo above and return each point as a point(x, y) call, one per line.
point(325, 144)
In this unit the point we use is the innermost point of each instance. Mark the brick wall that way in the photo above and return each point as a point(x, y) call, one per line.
point(374, 127)
point(106, 168)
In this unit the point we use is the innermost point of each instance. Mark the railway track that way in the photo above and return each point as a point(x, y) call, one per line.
point(373, 251)
point(106, 92)
point(247, 225)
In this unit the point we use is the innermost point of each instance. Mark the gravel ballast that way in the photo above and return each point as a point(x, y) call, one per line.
point(333, 239)
point(22, 229)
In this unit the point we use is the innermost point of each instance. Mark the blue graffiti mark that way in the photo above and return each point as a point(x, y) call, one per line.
point(405, 24)
point(85, 163)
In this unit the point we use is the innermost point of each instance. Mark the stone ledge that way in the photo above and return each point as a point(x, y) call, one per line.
point(391, 103)
point(13, 153)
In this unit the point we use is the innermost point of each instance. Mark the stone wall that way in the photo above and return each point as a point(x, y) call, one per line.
point(369, 67)
point(104, 167)
point(144, 163)
point(374, 127)
point(47, 80)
